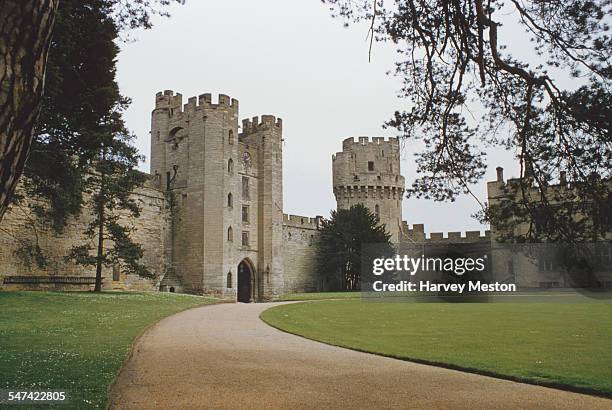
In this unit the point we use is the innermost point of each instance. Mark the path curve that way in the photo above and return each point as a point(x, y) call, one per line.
point(224, 356)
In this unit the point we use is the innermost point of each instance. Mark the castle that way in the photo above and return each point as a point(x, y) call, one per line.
point(228, 234)
point(212, 218)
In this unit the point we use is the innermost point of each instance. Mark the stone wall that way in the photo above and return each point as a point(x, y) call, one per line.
point(546, 265)
point(300, 234)
point(19, 228)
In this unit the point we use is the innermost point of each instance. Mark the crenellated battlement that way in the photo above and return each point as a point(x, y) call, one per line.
point(378, 189)
point(168, 99)
point(254, 124)
point(300, 221)
point(351, 143)
point(458, 237)
point(417, 235)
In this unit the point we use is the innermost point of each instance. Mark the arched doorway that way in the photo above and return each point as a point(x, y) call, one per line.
point(245, 287)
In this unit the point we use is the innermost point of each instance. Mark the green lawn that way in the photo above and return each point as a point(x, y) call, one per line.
point(320, 296)
point(552, 343)
point(75, 341)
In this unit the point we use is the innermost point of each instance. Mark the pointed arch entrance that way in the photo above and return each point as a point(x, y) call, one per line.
point(246, 273)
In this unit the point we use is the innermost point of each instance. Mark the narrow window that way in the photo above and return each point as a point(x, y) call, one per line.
point(370, 165)
point(245, 213)
point(230, 138)
point(230, 234)
point(229, 279)
point(245, 238)
point(377, 211)
point(545, 265)
point(246, 194)
point(230, 200)
point(230, 166)
point(116, 273)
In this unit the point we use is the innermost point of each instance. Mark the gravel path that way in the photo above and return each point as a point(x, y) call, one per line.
point(223, 356)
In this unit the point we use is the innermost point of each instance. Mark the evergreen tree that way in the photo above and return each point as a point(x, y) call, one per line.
point(72, 101)
point(80, 92)
point(25, 33)
point(108, 193)
point(340, 245)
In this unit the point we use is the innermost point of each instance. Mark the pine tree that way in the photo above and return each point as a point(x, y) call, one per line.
point(72, 103)
point(109, 189)
point(340, 245)
point(80, 92)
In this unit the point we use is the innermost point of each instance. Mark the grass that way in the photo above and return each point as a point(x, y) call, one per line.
point(559, 344)
point(320, 296)
point(76, 342)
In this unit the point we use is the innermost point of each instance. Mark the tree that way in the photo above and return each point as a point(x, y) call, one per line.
point(25, 30)
point(24, 42)
point(339, 249)
point(453, 63)
point(109, 188)
point(80, 91)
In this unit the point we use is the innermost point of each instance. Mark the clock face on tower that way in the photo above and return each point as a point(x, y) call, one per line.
point(246, 159)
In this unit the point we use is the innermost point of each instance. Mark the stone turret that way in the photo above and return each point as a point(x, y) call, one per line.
point(367, 171)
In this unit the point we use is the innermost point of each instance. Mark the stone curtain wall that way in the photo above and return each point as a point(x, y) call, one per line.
point(18, 229)
point(300, 234)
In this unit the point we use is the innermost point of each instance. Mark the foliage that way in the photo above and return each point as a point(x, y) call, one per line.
point(109, 188)
point(339, 249)
point(566, 214)
point(78, 341)
point(82, 151)
point(80, 92)
point(454, 64)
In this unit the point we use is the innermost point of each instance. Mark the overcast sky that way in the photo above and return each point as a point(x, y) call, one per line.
point(292, 60)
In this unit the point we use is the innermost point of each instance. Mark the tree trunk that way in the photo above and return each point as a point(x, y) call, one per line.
point(100, 254)
point(25, 35)
point(101, 222)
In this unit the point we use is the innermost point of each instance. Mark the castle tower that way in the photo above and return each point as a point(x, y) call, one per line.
point(261, 143)
point(368, 172)
point(192, 149)
point(225, 191)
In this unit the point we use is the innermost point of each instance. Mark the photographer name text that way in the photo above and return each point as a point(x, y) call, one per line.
point(428, 286)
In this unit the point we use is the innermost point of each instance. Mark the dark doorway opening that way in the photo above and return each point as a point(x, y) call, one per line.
point(245, 274)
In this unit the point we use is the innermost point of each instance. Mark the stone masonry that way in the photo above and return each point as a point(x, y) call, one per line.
point(212, 217)
point(18, 230)
point(368, 172)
